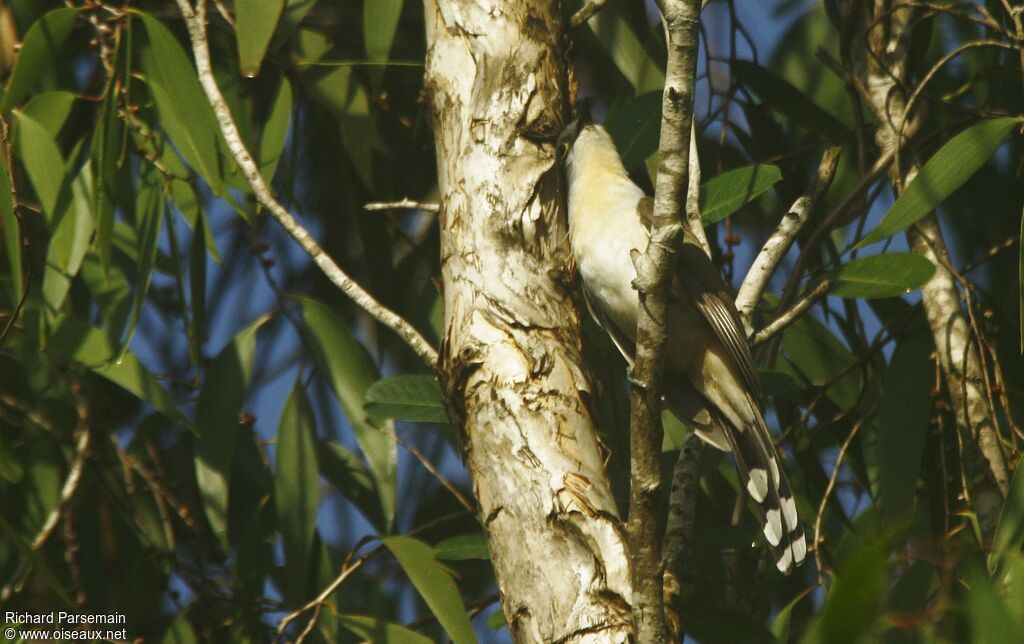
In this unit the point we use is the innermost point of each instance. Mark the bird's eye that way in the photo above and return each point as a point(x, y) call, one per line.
point(563, 149)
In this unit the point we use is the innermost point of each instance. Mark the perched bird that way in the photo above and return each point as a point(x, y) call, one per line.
point(710, 379)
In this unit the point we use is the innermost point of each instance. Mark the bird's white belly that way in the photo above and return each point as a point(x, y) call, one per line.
point(607, 270)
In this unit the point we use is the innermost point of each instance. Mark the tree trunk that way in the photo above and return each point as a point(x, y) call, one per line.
point(511, 359)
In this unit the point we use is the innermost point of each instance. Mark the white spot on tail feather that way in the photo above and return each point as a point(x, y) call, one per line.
point(785, 561)
point(799, 549)
point(757, 486)
point(775, 471)
point(789, 508)
point(773, 527)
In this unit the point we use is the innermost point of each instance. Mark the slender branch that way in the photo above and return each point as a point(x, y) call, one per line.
point(404, 204)
point(195, 18)
point(70, 485)
point(693, 217)
point(586, 12)
point(818, 539)
point(679, 532)
point(784, 320)
point(654, 270)
point(779, 242)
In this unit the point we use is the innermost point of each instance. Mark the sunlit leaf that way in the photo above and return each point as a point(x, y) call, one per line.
point(50, 110)
point(40, 52)
point(727, 193)
point(857, 596)
point(380, 20)
point(467, 546)
point(350, 371)
point(414, 398)
point(627, 50)
point(185, 113)
point(435, 585)
point(992, 621)
point(885, 275)
point(255, 21)
point(296, 494)
point(947, 170)
point(44, 164)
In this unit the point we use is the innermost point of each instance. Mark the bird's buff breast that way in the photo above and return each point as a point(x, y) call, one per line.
point(607, 269)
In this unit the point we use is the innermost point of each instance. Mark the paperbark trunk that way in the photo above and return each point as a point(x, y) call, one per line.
point(511, 359)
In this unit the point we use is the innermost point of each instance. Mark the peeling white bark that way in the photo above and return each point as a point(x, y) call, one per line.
point(511, 359)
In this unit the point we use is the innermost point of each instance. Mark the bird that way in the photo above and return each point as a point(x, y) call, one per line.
point(709, 378)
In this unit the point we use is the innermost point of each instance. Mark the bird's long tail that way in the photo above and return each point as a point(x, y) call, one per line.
point(760, 473)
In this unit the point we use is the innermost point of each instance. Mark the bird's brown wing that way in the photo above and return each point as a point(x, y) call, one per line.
point(698, 276)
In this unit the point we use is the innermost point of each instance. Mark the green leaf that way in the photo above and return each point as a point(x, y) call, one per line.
point(783, 97)
point(10, 228)
point(781, 624)
point(857, 597)
point(1020, 280)
point(40, 52)
point(349, 475)
point(49, 109)
point(885, 275)
point(351, 372)
point(149, 217)
point(380, 20)
point(992, 621)
point(1009, 536)
point(220, 401)
point(815, 355)
point(435, 585)
point(415, 398)
point(294, 12)
point(180, 631)
point(185, 114)
point(635, 125)
point(467, 546)
point(372, 629)
point(296, 494)
point(44, 165)
point(496, 620)
point(255, 21)
point(627, 50)
point(275, 132)
point(947, 170)
point(904, 412)
point(94, 349)
point(727, 193)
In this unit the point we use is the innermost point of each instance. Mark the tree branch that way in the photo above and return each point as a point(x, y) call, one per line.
point(654, 270)
point(784, 320)
point(195, 18)
point(779, 242)
point(679, 531)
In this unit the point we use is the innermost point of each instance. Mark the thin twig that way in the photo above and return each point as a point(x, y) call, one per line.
point(404, 204)
point(586, 12)
point(195, 18)
point(778, 243)
point(784, 320)
point(828, 492)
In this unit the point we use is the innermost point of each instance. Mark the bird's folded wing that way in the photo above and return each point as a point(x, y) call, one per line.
point(697, 278)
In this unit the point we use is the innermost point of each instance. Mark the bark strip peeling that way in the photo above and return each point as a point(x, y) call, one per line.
point(511, 359)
